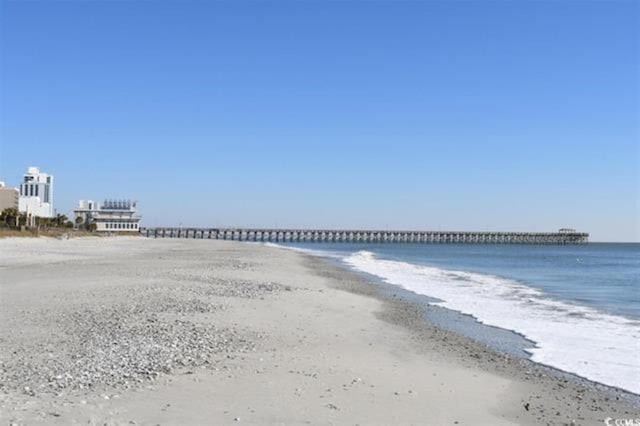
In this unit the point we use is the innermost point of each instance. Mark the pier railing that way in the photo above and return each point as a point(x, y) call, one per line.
point(368, 236)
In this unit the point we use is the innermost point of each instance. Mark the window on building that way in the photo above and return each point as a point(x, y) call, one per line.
point(37, 186)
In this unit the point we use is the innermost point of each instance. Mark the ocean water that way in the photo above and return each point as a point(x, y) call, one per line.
point(579, 305)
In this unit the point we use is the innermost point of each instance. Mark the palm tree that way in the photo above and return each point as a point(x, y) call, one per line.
point(10, 216)
point(60, 219)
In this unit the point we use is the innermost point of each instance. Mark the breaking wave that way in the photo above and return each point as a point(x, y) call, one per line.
point(600, 347)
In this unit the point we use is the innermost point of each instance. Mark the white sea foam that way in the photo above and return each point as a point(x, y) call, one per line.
point(601, 347)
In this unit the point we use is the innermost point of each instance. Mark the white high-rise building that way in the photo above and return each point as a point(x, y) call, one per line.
point(36, 194)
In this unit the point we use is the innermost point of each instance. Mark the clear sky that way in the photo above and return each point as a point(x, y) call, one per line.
point(457, 115)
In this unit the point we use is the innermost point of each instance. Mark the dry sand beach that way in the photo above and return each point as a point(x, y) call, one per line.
point(176, 332)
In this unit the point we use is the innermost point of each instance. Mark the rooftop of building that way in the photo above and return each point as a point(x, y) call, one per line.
point(108, 205)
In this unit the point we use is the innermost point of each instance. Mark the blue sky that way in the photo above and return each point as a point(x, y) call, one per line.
point(461, 115)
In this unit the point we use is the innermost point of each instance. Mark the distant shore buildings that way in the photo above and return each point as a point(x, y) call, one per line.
point(36, 194)
point(110, 216)
point(30, 206)
point(9, 197)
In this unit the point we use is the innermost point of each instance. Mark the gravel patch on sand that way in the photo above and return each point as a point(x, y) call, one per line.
point(222, 287)
point(123, 344)
point(126, 335)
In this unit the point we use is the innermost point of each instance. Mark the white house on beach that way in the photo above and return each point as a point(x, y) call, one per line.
point(110, 216)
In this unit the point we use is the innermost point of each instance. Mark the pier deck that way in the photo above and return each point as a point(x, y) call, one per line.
point(368, 236)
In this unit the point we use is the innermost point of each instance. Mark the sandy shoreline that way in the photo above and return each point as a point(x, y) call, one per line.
point(140, 331)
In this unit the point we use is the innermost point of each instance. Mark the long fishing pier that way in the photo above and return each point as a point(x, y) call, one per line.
point(564, 236)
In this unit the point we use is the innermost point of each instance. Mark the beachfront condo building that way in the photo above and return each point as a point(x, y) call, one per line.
point(9, 197)
point(36, 194)
point(110, 216)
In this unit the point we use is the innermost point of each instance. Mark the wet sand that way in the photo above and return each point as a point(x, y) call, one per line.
point(174, 332)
